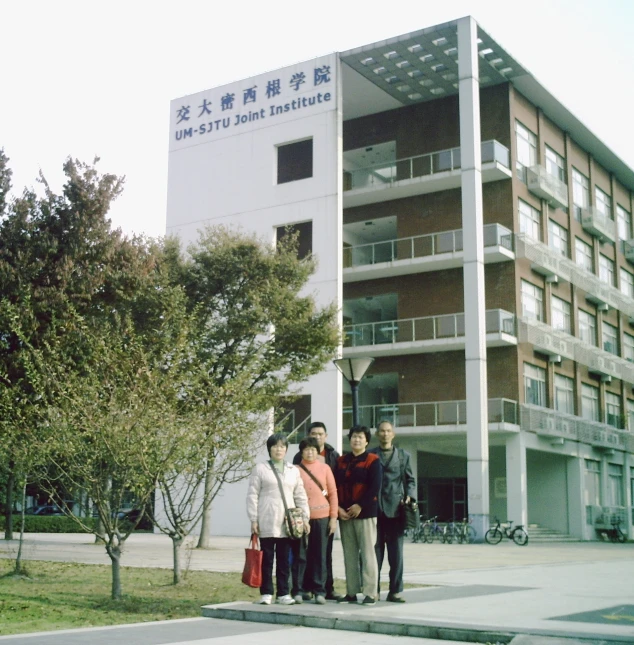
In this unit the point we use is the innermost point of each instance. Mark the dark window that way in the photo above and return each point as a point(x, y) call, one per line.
point(294, 161)
point(304, 234)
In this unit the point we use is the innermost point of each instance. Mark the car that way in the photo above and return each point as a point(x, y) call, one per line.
point(44, 510)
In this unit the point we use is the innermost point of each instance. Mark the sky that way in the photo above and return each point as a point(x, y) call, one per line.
point(86, 78)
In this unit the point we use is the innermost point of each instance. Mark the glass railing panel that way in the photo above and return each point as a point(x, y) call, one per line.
point(424, 246)
point(421, 166)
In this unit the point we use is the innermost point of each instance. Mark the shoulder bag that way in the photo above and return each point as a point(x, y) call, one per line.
point(294, 518)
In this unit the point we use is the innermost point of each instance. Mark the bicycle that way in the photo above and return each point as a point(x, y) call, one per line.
point(466, 532)
point(517, 534)
point(432, 530)
point(615, 534)
point(416, 534)
point(451, 532)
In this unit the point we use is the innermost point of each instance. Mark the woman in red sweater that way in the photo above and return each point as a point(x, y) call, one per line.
point(321, 490)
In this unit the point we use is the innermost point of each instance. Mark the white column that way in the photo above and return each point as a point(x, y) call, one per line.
point(628, 462)
point(474, 303)
point(516, 501)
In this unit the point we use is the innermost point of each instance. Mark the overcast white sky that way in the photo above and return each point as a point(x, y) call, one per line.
point(83, 78)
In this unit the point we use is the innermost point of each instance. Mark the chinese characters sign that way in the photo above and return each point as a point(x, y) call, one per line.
point(278, 95)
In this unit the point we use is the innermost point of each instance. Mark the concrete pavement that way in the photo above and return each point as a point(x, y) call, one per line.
point(480, 593)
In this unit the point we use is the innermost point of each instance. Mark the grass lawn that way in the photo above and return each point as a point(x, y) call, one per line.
point(61, 595)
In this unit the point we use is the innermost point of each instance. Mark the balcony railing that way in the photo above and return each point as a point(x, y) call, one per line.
point(554, 342)
point(598, 224)
point(423, 329)
point(431, 414)
point(544, 185)
point(548, 261)
point(557, 425)
point(421, 166)
point(421, 246)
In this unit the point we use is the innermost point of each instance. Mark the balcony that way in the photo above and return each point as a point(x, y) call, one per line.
point(424, 335)
point(545, 186)
point(598, 224)
point(421, 253)
point(554, 426)
point(418, 175)
point(442, 416)
point(546, 261)
point(556, 343)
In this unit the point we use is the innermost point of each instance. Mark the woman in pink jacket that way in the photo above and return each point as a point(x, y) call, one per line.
point(321, 490)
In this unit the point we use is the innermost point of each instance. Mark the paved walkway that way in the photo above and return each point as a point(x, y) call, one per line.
point(480, 593)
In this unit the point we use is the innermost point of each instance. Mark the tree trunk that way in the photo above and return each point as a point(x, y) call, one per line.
point(177, 542)
point(8, 505)
point(115, 557)
point(204, 541)
point(100, 533)
point(18, 560)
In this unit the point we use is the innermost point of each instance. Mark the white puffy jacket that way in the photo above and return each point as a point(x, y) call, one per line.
point(264, 501)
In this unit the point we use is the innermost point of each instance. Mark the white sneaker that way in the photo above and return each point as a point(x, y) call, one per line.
point(265, 599)
point(285, 600)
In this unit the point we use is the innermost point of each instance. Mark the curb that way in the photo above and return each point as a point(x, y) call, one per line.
point(274, 615)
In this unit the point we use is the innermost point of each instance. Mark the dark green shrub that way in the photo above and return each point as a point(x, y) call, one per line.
point(49, 524)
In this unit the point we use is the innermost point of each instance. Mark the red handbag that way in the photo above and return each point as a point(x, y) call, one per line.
point(252, 572)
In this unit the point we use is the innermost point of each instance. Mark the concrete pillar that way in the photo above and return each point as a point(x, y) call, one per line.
point(516, 491)
point(628, 502)
point(575, 474)
point(472, 224)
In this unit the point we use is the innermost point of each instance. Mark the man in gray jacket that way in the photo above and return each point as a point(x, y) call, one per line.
point(398, 487)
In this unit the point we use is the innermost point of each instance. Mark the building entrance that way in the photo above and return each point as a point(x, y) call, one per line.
point(446, 498)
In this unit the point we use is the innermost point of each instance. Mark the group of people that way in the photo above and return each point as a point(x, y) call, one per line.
point(363, 489)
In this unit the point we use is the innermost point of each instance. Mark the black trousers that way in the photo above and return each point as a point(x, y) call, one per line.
point(311, 550)
point(278, 550)
point(330, 580)
point(390, 535)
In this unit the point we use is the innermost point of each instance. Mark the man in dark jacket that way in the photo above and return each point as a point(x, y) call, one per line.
point(397, 488)
point(317, 429)
point(358, 479)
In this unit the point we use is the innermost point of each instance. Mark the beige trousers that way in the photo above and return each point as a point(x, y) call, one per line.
point(358, 538)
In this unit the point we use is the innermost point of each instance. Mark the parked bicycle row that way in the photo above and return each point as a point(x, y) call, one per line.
point(461, 532)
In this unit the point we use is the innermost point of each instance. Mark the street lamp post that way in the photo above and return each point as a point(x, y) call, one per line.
point(353, 370)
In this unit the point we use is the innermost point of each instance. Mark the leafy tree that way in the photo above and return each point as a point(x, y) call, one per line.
point(254, 326)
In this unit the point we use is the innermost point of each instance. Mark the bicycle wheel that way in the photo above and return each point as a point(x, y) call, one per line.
point(620, 537)
point(446, 537)
point(520, 536)
point(428, 533)
point(468, 534)
point(493, 536)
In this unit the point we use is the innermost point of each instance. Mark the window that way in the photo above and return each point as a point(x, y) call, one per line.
point(530, 220)
point(628, 347)
point(630, 420)
point(615, 485)
point(560, 314)
point(526, 143)
point(612, 410)
point(583, 255)
point(558, 238)
point(603, 203)
point(303, 235)
point(610, 338)
point(532, 301)
point(589, 402)
point(534, 385)
point(555, 165)
point(580, 193)
point(623, 223)
point(294, 161)
point(606, 270)
point(587, 328)
point(593, 483)
point(626, 283)
point(564, 394)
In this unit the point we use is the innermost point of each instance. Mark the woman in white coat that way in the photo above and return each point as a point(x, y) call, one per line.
point(265, 509)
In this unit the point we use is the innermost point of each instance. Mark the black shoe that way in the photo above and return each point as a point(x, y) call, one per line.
point(334, 596)
point(394, 597)
point(369, 600)
point(347, 598)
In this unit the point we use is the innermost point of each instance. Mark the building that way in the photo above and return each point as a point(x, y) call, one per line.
point(478, 239)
